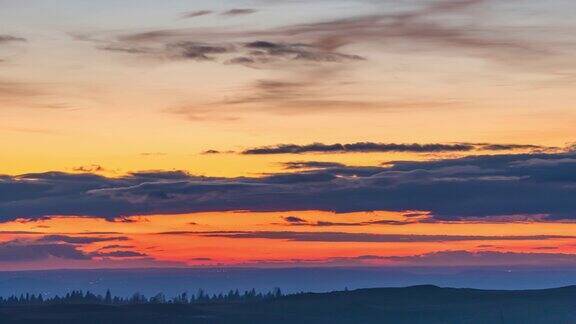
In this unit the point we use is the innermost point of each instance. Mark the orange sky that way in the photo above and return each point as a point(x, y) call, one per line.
point(109, 89)
point(171, 241)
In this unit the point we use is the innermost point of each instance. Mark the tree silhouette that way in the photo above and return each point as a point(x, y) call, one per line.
point(80, 297)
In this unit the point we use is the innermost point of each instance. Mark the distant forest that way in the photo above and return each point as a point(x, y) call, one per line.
point(78, 297)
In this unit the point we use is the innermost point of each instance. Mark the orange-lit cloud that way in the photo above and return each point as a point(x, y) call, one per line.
point(262, 239)
point(105, 110)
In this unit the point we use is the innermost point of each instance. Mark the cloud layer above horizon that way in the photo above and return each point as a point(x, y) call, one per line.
point(341, 132)
point(538, 185)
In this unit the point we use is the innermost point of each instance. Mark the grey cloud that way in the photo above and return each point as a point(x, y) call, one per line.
point(239, 12)
point(427, 27)
point(197, 51)
point(251, 54)
point(89, 168)
point(265, 51)
point(357, 147)
point(159, 174)
point(10, 39)
point(16, 251)
point(368, 237)
point(119, 254)
point(198, 13)
point(331, 224)
point(127, 49)
point(367, 147)
point(298, 165)
point(486, 258)
point(458, 258)
point(430, 26)
point(117, 246)
point(211, 152)
point(62, 247)
point(294, 219)
point(443, 26)
point(508, 147)
point(80, 239)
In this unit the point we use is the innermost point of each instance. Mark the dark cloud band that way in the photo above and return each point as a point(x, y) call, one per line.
point(371, 147)
point(540, 185)
point(364, 237)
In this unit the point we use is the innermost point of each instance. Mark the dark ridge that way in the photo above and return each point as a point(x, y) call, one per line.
point(417, 304)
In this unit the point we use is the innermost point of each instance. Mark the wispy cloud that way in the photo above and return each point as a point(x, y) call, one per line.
point(314, 57)
point(80, 239)
point(299, 165)
point(64, 247)
point(364, 237)
point(295, 221)
point(370, 147)
point(239, 12)
point(16, 251)
point(11, 39)
point(197, 13)
point(90, 168)
point(485, 258)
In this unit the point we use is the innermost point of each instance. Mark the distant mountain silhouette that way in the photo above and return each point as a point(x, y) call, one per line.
point(418, 304)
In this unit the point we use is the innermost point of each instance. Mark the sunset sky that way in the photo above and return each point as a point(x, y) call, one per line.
point(177, 133)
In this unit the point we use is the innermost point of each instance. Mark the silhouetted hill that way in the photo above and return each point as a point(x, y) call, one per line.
point(418, 304)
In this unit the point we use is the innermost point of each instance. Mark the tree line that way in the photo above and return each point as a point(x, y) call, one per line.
point(81, 297)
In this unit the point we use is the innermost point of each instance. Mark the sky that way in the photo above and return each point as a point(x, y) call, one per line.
point(178, 133)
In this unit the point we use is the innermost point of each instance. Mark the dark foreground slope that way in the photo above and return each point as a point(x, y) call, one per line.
point(420, 304)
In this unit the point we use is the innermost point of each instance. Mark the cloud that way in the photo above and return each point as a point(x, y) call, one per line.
point(80, 239)
point(459, 258)
point(239, 12)
point(432, 27)
point(208, 152)
point(486, 258)
point(116, 246)
point(370, 147)
point(196, 50)
point(11, 39)
point(266, 51)
point(294, 220)
point(316, 58)
point(119, 254)
point(89, 168)
point(298, 165)
point(363, 237)
point(253, 54)
point(16, 251)
point(509, 147)
point(311, 68)
point(436, 26)
point(126, 49)
point(159, 174)
point(368, 223)
point(475, 187)
point(62, 247)
point(356, 147)
point(201, 259)
point(198, 13)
